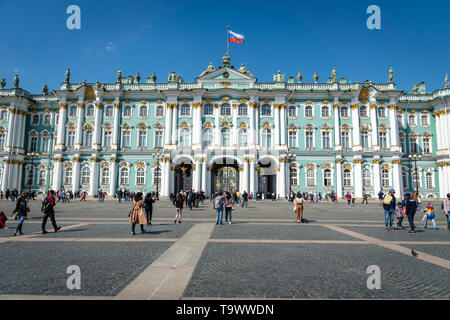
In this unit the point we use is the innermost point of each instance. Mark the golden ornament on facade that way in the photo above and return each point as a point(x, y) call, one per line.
point(347, 167)
point(358, 161)
point(326, 102)
point(385, 167)
point(89, 93)
point(63, 105)
point(355, 106)
point(397, 161)
point(364, 94)
point(310, 166)
point(99, 106)
point(376, 161)
point(243, 126)
point(266, 125)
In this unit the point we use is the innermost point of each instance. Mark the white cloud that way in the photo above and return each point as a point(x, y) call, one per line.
point(16, 70)
point(110, 47)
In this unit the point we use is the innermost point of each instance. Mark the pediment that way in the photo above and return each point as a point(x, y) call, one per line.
point(226, 74)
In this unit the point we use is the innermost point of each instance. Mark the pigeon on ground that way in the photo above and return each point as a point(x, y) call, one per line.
point(414, 253)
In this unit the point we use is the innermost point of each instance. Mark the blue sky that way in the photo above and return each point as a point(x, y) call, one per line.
point(161, 36)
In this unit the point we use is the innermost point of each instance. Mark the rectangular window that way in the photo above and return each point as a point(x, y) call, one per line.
point(158, 139)
point(45, 142)
point(71, 139)
point(345, 140)
point(383, 140)
point(2, 140)
point(292, 139)
point(326, 139)
point(142, 138)
point(33, 144)
point(309, 140)
point(426, 145)
point(126, 139)
point(413, 147)
point(107, 139)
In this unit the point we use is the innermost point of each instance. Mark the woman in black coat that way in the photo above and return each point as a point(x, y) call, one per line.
point(21, 210)
point(148, 205)
point(410, 204)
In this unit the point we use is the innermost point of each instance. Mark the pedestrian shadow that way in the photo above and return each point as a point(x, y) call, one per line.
point(154, 232)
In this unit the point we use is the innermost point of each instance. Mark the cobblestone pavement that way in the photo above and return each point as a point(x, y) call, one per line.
point(263, 254)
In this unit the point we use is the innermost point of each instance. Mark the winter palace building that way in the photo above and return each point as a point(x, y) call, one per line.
point(226, 131)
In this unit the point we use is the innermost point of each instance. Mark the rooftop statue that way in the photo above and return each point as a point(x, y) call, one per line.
point(97, 84)
point(315, 77)
point(137, 78)
point(45, 90)
point(68, 75)
point(153, 77)
point(356, 85)
point(278, 77)
point(446, 81)
point(333, 75)
point(391, 75)
point(415, 88)
point(84, 83)
point(422, 89)
point(299, 77)
point(16, 82)
point(119, 75)
point(209, 69)
point(3, 83)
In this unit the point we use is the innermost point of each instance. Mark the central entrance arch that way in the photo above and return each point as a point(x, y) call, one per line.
point(183, 175)
point(267, 174)
point(225, 175)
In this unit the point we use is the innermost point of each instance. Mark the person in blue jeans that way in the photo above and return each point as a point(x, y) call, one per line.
point(219, 203)
point(389, 210)
point(446, 207)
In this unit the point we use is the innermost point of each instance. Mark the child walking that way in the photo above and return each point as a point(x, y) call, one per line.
point(429, 210)
point(400, 213)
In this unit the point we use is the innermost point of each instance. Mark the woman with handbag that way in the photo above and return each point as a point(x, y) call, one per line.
point(228, 207)
point(298, 207)
point(137, 215)
point(179, 204)
point(20, 212)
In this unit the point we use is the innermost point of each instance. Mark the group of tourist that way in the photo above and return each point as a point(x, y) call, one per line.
point(313, 197)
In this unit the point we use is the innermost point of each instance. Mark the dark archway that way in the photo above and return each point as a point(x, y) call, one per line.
point(225, 176)
point(183, 177)
point(267, 177)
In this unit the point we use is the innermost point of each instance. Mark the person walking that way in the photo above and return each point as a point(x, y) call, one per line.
point(83, 196)
point(429, 210)
point(389, 206)
point(148, 203)
point(49, 212)
point(228, 207)
point(348, 197)
point(244, 199)
point(3, 220)
point(219, 203)
point(419, 202)
point(21, 211)
point(410, 210)
point(446, 208)
point(400, 213)
point(365, 198)
point(137, 215)
point(298, 208)
point(380, 197)
point(179, 204)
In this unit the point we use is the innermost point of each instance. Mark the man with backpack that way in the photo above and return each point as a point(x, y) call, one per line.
point(389, 205)
point(219, 203)
point(48, 209)
point(244, 199)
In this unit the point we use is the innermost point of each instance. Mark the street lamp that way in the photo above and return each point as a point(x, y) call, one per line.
point(289, 158)
point(33, 156)
point(157, 156)
point(416, 157)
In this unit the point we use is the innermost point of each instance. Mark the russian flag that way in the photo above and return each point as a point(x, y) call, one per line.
point(236, 37)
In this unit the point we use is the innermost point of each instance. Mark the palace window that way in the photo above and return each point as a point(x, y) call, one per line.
point(56, 122)
point(140, 176)
point(33, 144)
point(426, 145)
point(90, 111)
point(85, 176)
point(109, 111)
point(292, 111)
point(364, 139)
point(242, 109)
point(266, 110)
point(344, 112)
point(292, 138)
point(308, 111)
point(326, 139)
point(2, 140)
point(107, 138)
point(127, 111)
point(243, 141)
point(3, 115)
point(383, 140)
point(68, 176)
point(158, 138)
point(429, 180)
point(126, 138)
point(42, 177)
point(47, 119)
point(366, 178)
point(207, 138)
point(266, 138)
point(347, 178)
point(413, 145)
point(403, 143)
point(124, 176)
point(310, 178)
point(345, 140)
point(325, 112)
point(424, 120)
point(225, 109)
point(400, 119)
point(294, 177)
point(142, 139)
point(160, 111)
point(70, 138)
point(363, 112)
point(412, 120)
point(185, 138)
point(185, 110)
point(405, 180)
point(88, 139)
point(105, 176)
point(143, 111)
point(385, 178)
point(382, 112)
point(309, 139)
point(327, 177)
point(72, 111)
point(226, 137)
point(208, 110)
point(416, 179)
point(35, 119)
point(157, 177)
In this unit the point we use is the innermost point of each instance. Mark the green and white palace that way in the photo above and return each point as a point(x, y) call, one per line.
point(226, 131)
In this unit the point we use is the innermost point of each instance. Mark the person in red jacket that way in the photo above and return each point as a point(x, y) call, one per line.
point(49, 212)
point(3, 219)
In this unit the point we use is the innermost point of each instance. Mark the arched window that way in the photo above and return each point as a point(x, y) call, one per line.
point(347, 178)
point(364, 138)
point(344, 112)
point(325, 112)
point(126, 138)
point(35, 119)
point(68, 176)
point(42, 177)
point(292, 140)
point(225, 109)
point(88, 139)
point(85, 176)
point(109, 111)
point(267, 138)
point(105, 176)
point(243, 138)
point(416, 180)
point(363, 112)
point(3, 115)
point(185, 110)
point(242, 109)
point(385, 178)
point(157, 177)
point(366, 178)
point(208, 110)
point(90, 111)
point(160, 111)
point(126, 111)
point(207, 138)
point(327, 177)
point(310, 178)
point(140, 176)
point(185, 137)
point(107, 138)
point(292, 111)
point(266, 110)
point(124, 176)
point(382, 112)
point(424, 120)
point(143, 111)
point(308, 111)
point(226, 137)
point(294, 177)
point(70, 138)
point(47, 119)
point(429, 180)
point(412, 120)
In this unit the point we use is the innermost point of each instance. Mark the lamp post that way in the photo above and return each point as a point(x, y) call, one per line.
point(32, 156)
point(415, 156)
point(289, 158)
point(157, 156)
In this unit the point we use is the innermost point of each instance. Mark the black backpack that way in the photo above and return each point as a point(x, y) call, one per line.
point(45, 205)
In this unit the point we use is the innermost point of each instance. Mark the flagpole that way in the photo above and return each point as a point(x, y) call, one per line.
point(228, 40)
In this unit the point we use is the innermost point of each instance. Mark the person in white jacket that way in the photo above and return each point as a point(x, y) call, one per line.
point(446, 206)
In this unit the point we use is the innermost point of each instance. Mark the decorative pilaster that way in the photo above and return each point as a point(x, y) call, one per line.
point(168, 125)
point(216, 130)
point(79, 133)
point(356, 128)
point(282, 176)
point(166, 184)
point(197, 174)
point(252, 177)
point(61, 126)
point(358, 178)
point(76, 174)
point(5, 180)
point(11, 128)
point(94, 177)
point(98, 125)
point(203, 186)
point(113, 173)
point(339, 177)
point(197, 127)
point(337, 126)
point(376, 175)
point(283, 125)
point(116, 129)
point(395, 147)
point(374, 124)
point(57, 171)
point(397, 177)
point(174, 123)
point(276, 110)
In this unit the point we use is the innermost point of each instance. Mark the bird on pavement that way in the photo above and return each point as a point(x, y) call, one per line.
point(414, 253)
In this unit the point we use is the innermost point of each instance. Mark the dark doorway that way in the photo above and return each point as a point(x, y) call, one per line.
point(225, 177)
point(183, 177)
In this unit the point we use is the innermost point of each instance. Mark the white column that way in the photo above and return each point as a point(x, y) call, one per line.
point(242, 178)
point(235, 127)
point(5, 176)
point(252, 177)
point(13, 175)
point(76, 175)
point(11, 128)
point(358, 178)
point(438, 133)
point(61, 126)
point(276, 110)
point(339, 178)
point(446, 130)
point(374, 124)
point(394, 128)
point(174, 123)
point(116, 129)
point(203, 186)
point(197, 126)
point(442, 193)
point(196, 180)
point(98, 125)
point(23, 133)
point(94, 177)
point(18, 128)
point(208, 188)
point(216, 126)
point(337, 126)
point(168, 125)
point(166, 184)
point(376, 176)
point(253, 126)
point(246, 178)
point(20, 172)
point(57, 170)
point(283, 125)
point(79, 133)
point(282, 185)
point(447, 178)
point(113, 175)
point(397, 178)
point(447, 126)
point(356, 128)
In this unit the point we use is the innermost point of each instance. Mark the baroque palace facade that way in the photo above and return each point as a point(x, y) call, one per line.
point(226, 131)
